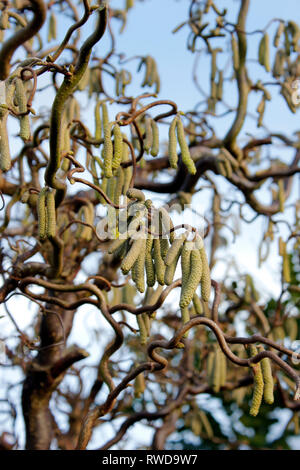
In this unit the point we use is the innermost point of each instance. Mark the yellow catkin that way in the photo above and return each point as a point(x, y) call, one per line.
point(185, 263)
point(118, 147)
point(170, 269)
point(220, 86)
point(98, 122)
point(148, 134)
point(206, 424)
point(139, 385)
point(268, 380)
point(185, 152)
point(108, 151)
point(197, 304)
point(188, 289)
point(185, 317)
point(5, 158)
point(155, 139)
point(205, 279)
point(286, 268)
point(279, 63)
point(142, 329)
point(21, 102)
point(51, 214)
point(173, 156)
point(158, 262)
point(139, 268)
point(278, 33)
point(174, 249)
point(134, 193)
point(132, 255)
point(264, 52)
point(223, 368)
point(150, 270)
point(258, 384)
point(41, 211)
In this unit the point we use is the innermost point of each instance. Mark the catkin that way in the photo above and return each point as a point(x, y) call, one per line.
point(139, 266)
point(5, 159)
point(170, 270)
point(188, 289)
point(216, 372)
point(98, 123)
point(21, 102)
point(132, 255)
point(139, 385)
point(197, 304)
point(174, 250)
point(185, 153)
point(148, 134)
point(50, 214)
point(185, 263)
point(235, 53)
point(118, 147)
point(108, 151)
point(205, 279)
point(158, 262)
point(155, 139)
point(119, 185)
point(281, 195)
point(150, 269)
point(134, 193)
point(258, 384)
point(185, 317)
point(142, 328)
point(268, 380)
point(173, 156)
point(264, 52)
point(41, 211)
point(278, 33)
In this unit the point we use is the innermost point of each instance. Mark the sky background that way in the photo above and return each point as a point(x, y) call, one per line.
point(149, 31)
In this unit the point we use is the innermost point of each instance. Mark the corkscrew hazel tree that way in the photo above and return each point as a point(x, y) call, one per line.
point(80, 226)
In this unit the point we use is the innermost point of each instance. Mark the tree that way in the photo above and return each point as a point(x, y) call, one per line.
point(99, 240)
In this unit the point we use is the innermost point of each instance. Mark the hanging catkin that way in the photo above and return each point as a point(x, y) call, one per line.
point(268, 380)
point(205, 279)
point(185, 153)
point(158, 262)
point(258, 384)
point(139, 268)
point(150, 270)
point(155, 139)
point(41, 211)
point(21, 102)
point(132, 255)
point(189, 287)
point(108, 151)
point(118, 147)
point(173, 156)
point(148, 134)
point(174, 249)
point(51, 214)
point(142, 329)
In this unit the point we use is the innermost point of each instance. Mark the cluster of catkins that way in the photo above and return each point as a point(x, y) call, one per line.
point(15, 96)
point(152, 254)
point(263, 381)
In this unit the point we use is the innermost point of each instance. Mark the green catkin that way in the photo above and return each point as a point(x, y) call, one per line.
point(286, 268)
point(5, 159)
point(42, 215)
point(206, 425)
point(134, 193)
point(139, 385)
point(185, 153)
point(148, 63)
point(108, 151)
point(88, 211)
point(167, 223)
point(258, 384)
point(164, 246)
point(173, 156)
point(174, 249)
point(119, 185)
point(223, 368)
point(116, 244)
point(139, 267)
point(278, 67)
point(205, 279)
point(105, 118)
point(52, 27)
point(98, 123)
point(170, 270)
point(197, 304)
point(150, 270)
point(148, 134)
point(188, 289)
point(278, 33)
point(158, 262)
point(210, 366)
point(103, 186)
point(185, 263)
point(235, 53)
point(185, 317)
point(142, 328)
point(281, 195)
point(21, 102)
point(51, 214)
point(220, 86)
point(155, 139)
point(118, 147)
point(268, 380)
point(132, 255)
point(264, 52)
